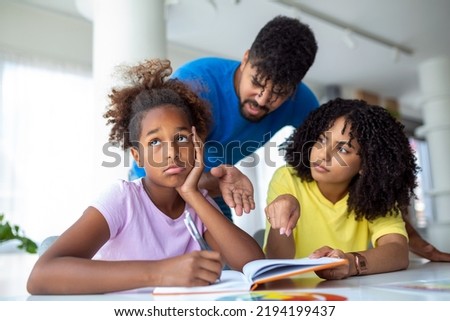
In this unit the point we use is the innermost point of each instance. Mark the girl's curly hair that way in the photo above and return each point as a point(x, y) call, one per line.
point(388, 163)
point(147, 86)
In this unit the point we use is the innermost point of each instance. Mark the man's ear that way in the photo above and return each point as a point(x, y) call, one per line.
point(135, 153)
point(244, 60)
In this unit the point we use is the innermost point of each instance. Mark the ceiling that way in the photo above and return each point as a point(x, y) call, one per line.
point(227, 28)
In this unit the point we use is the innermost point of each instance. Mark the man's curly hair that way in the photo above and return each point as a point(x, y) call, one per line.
point(282, 52)
point(388, 163)
point(147, 87)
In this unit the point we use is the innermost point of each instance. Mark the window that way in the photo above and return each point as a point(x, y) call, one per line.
point(421, 212)
point(46, 151)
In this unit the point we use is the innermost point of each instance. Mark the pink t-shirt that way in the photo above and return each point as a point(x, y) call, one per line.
point(138, 229)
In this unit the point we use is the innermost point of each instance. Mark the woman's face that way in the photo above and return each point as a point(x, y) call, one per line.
point(166, 150)
point(333, 160)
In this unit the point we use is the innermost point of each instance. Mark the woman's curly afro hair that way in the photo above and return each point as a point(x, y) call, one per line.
point(388, 163)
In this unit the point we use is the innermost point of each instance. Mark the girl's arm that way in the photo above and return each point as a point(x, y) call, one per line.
point(235, 245)
point(282, 213)
point(67, 268)
point(391, 254)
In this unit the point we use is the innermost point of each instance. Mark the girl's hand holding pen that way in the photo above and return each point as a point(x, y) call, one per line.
point(283, 213)
point(198, 268)
point(190, 225)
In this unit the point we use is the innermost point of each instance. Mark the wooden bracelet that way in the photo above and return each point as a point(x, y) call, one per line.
point(360, 263)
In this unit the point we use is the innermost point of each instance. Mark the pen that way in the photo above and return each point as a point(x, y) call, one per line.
point(194, 231)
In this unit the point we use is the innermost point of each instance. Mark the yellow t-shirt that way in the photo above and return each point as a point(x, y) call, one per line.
point(324, 223)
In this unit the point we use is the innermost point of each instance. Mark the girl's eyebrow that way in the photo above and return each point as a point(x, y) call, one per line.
point(153, 131)
point(182, 128)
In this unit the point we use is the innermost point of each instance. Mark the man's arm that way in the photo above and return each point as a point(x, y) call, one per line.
point(419, 246)
point(235, 188)
point(210, 183)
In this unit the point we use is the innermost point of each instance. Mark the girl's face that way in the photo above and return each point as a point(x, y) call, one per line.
point(166, 149)
point(332, 159)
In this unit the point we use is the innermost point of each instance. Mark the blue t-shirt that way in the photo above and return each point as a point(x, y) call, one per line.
point(232, 137)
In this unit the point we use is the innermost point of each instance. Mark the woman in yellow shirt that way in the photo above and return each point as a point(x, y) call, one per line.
point(350, 173)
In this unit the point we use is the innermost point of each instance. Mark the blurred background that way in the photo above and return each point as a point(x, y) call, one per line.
point(57, 61)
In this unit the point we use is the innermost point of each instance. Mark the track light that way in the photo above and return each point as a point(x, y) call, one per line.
point(343, 25)
point(395, 54)
point(349, 39)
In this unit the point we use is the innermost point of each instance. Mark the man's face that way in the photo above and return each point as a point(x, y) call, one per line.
point(257, 97)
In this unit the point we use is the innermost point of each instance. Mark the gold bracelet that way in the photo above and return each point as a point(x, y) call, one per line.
point(360, 263)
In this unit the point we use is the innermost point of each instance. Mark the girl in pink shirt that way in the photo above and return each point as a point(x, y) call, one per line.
point(133, 235)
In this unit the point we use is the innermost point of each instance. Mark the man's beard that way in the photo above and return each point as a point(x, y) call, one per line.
point(252, 118)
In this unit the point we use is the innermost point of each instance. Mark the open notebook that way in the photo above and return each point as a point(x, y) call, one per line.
point(255, 273)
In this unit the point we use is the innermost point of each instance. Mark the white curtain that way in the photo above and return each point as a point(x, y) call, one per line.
point(46, 149)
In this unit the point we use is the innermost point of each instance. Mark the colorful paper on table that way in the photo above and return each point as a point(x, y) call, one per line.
point(282, 296)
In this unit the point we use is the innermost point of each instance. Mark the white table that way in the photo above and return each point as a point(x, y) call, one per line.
point(15, 268)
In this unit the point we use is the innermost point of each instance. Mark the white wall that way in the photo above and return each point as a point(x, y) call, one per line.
point(36, 32)
point(41, 33)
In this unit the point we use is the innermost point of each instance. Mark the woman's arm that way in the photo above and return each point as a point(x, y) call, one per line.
point(421, 247)
point(282, 213)
point(390, 254)
point(280, 246)
point(67, 266)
